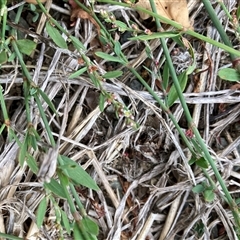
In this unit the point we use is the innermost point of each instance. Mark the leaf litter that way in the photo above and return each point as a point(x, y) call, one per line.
point(144, 175)
point(175, 10)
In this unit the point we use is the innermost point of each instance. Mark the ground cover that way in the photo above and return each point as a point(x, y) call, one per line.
point(96, 140)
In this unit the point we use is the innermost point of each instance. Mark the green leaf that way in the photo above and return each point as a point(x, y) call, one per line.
point(12, 57)
point(3, 126)
point(165, 76)
point(238, 13)
point(57, 213)
point(56, 188)
point(47, 100)
point(209, 195)
point(77, 233)
point(35, 17)
point(3, 57)
point(199, 228)
point(78, 73)
point(9, 237)
point(65, 221)
point(178, 40)
point(56, 36)
point(95, 81)
point(41, 211)
point(81, 234)
point(199, 188)
point(32, 141)
point(103, 40)
point(155, 35)
point(77, 44)
point(172, 94)
point(33, 131)
point(110, 58)
point(11, 135)
point(229, 74)
point(64, 180)
point(112, 74)
point(121, 25)
point(196, 145)
point(90, 226)
point(102, 100)
point(32, 91)
point(78, 174)
point(26, 46)
point(202, 162)
point(33, 138)
point(32, 7)
point(117, 48)
point(148, 50)
point(150, 71)
point(237, 201)
point(192, 161)
point(31, 162)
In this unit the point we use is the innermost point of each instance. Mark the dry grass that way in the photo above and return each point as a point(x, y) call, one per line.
point(144, 175)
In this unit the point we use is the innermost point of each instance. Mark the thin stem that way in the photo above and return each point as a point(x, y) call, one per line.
point(165, 109)
point(2, 128)
point(45, 121)
point(212, 14)
point(7, 236)
point(176, 25)
point(27, 99)
point(69, 200)
point(3, 18)
point(3, 106)
point(4, 10)
point(20, 58)
point(236, 26)
point(225, 9)
point(18, 15)
point(76, 197)
point(195, 130)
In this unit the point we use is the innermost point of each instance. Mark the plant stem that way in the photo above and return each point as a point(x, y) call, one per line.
point(165, 109)
point(64, 182)
point(192, 126)
point(3, 18)
point(45, 121)
point(7, 236)
point(20, 58)
point(176, 25)
point(218, 25)
point(76, 197)
point(25, 83)
point(3, 106)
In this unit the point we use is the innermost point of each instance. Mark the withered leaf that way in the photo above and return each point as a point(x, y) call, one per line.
point(77, 12)
point(175, 10)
